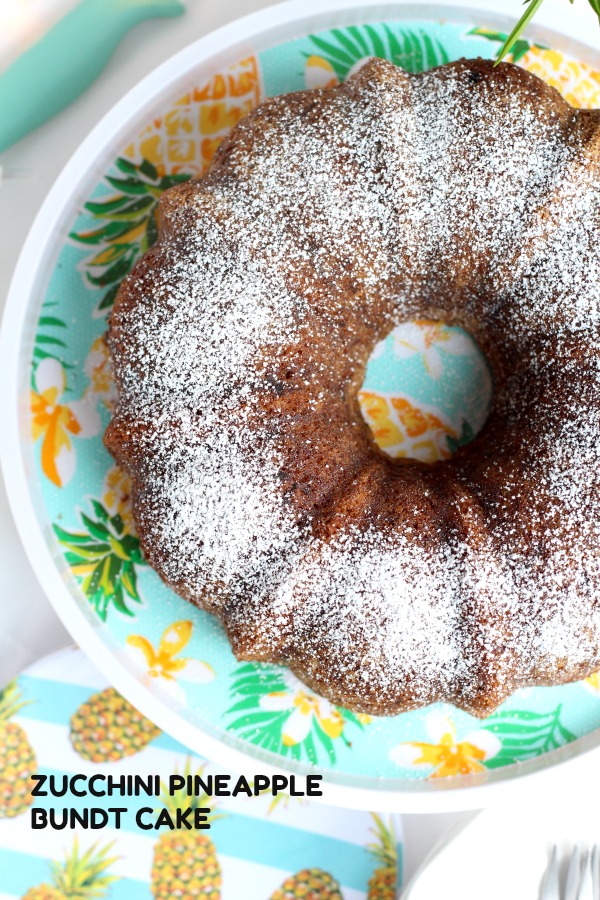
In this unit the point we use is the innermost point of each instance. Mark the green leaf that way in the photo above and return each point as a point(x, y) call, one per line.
point(131, 212)
point(48, 339)
point(523, 22)
point(68, 537)
point(431, 54)
point(126, 166)
point(129, 581)
point(376, 42)
point(325, 740)
point(119, 603)
point(254, 688)
point(248, 703)
point(358, 36)
point(100, 511)
point(512, 728)
point(595, 4)
point(97, 576)
point(108, 233)
point(169, 181)
point(526, 734)
point(103, 208)
point(333, 52)
point(565, 734)
point(522, 715)
point(253, 719)
point(133, 186)
point(114, 273)
point(396, 53)
point(465, 437)
point(51, 322)
point(109, 298)
point(108, 254)
point(147, 169)
point(308, 745)
point(348, 44)
point(97, 529)
point(151, 231)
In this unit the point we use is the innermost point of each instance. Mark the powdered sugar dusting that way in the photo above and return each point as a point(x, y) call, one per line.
point(470, 194)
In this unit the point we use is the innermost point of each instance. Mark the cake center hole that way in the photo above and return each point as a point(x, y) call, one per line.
point(427, 391)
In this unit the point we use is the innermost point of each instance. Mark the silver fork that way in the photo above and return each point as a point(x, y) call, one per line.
point(583, 876)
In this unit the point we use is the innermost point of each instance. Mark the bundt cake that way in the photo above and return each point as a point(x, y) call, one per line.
point(468, 194)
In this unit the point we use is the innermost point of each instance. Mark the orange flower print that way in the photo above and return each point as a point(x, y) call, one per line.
point(305, 709)
point(319, 73)
point(56, 423)
point(427, 339)
point(446, 755)
point(164, 665)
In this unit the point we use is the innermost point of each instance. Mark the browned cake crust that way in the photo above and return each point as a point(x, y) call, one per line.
point(469, 194)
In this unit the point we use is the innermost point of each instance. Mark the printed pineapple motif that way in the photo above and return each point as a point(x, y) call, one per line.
point(402, 429)
point(106, 728)
point(185, 863)
point(309, 884)
point(98, 368)
point(17, 759)
point(117, 497)
point(383, 883)
point(576, 81)
point(170, 150)
point(44, 892)
point(186, 137)
point(104, 559)
point(126, 224)
point(80, 876)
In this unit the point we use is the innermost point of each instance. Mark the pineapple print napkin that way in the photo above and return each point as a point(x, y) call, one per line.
point(60, 717)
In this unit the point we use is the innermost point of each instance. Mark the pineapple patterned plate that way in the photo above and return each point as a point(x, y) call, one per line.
point(60, 718)
point(426, 392)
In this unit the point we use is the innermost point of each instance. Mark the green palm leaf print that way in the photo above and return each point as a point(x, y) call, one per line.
point(49, 343)
point(126, 224)
point(261, 724)
point(413, 50)
point(525, 734)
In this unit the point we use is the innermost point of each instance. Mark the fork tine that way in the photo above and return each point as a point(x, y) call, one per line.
point(586, 886)
point(573, 875)
point(549, 888)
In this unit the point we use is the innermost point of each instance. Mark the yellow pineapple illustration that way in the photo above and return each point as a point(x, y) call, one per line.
point(106, 728)
point(186, 137)
point(309, 884)
point(117, 497)
point(98, 368)
point(383, 883)
point(17, 759)
point(80, 876)
point(185, 863)
point(577, 81)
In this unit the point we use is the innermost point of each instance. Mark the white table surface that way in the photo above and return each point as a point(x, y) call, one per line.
point(29, 628)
